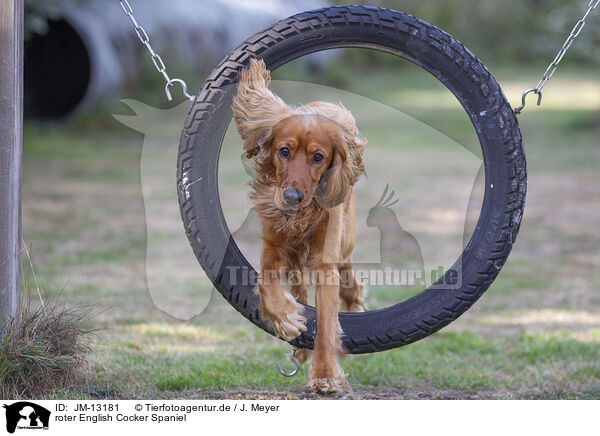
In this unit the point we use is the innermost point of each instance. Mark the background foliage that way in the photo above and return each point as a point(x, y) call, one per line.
point(497, 31)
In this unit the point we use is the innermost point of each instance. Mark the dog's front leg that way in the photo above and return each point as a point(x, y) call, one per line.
point(325, 375)
point(276, 304)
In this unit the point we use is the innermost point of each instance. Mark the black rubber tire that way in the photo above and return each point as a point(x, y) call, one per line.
point(426, 46)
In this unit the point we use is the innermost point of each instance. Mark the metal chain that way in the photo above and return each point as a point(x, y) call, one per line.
point(156, 59)
point(561, 53)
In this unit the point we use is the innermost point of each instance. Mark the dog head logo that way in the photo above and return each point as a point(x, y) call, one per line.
point(26, 415)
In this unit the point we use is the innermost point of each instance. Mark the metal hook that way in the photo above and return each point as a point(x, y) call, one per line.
point(183, 85)
point(534, 90)
point(293, 359)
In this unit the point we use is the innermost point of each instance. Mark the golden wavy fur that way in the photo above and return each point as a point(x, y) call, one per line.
point(307, 160)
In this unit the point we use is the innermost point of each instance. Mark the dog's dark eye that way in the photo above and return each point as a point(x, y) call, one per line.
point(284, 152)
point(317, 157)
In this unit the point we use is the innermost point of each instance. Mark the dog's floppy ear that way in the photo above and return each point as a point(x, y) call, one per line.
point(256, 110)
point(346, 168)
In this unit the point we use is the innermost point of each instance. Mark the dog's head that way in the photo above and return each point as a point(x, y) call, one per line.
point(311, 153)
point(310, 161)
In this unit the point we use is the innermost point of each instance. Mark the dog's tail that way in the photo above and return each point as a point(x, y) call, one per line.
point(255, 108)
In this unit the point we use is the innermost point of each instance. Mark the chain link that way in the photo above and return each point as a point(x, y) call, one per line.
point(156, 59)
point(561, 53)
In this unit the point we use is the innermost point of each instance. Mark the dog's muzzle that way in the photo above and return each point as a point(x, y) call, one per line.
point(293, 197)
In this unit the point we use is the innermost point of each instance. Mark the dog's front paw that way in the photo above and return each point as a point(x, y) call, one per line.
point(328, 384)
point(283, 313)
point(288, 325)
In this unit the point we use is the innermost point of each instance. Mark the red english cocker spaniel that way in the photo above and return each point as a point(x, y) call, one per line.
point(307, 160)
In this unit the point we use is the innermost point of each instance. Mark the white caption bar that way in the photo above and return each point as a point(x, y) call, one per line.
point(291, 418)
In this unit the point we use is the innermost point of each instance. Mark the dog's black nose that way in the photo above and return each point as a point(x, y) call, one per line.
point(293, 197)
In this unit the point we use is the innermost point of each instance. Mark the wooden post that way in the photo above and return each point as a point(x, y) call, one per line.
point(11, 150)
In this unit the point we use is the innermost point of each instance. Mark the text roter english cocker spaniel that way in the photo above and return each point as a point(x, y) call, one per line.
point(307, 160)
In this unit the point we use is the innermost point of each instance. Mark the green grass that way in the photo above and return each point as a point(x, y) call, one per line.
point(535, 334)
point(450, 365)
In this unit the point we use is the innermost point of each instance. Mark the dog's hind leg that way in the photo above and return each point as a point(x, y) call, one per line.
point(351, 292)
point(300, 293)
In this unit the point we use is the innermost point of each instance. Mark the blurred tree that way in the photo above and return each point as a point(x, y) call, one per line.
point(503, 30)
